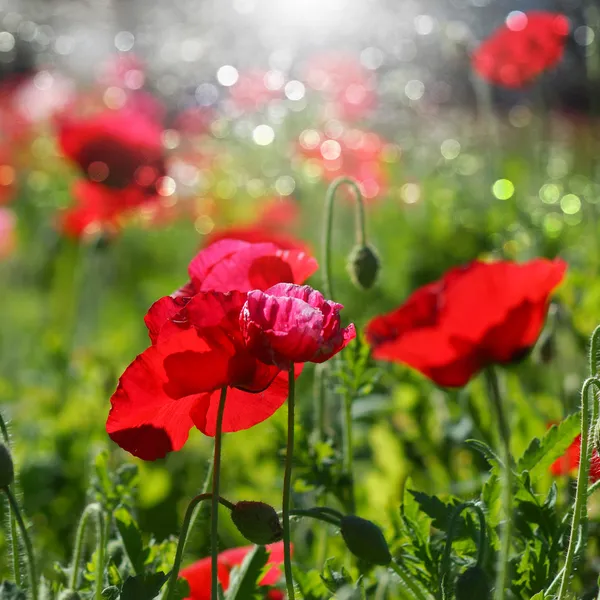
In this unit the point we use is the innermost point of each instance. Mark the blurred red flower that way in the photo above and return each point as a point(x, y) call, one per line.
point(253, 90)
point(276, 218)
point(475, 315)
point(115, 148)
point(198, 574)
point(293, 324)
point(569, 462)
point(197, 348)
point(345, 83)
point(356, 154)
point(522, 49)
point(8, 238)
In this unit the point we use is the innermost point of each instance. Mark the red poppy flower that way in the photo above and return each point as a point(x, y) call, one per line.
point(198, 575)
point(237, 265)
point(522, 49)
point(99, 208)
point(475, 315)
point(116, 148)
point(569, 462)
point(197, 348)
point(355, 154)
point(293, 324)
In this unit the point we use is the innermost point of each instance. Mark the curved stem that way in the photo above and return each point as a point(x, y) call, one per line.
point(312, 513)
point(33, 583)
point(214, 527)
point(79, 541)
point(181, 544)
point(504, 556)
point(481, 541)
point(287, 484)
point(582, 484)
point(361, 235)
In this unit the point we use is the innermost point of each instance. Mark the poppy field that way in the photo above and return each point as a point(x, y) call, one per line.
point(320, 332)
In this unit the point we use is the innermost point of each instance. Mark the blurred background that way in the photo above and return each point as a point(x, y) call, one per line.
point(257, 106)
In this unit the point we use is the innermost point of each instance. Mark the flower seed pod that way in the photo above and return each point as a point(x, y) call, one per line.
point(257, 522)
point(363, 266)
point(7, 469)
point(365, 540)
point(472, 583)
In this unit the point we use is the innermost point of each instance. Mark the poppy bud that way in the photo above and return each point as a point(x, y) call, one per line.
point(472, 583)
point(363, 266)
point(7, 469)
point(69, 595)
point(365, 540)
point(257, 522)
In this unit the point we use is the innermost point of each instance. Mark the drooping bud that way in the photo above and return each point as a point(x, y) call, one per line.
point(365, 540)
point(257, 522)
point(473, 583)
point(363, 266)
point(7, 469)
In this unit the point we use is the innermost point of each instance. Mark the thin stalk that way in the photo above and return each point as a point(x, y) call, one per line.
point(503, 558)
point(287, 485)
point(172, 584)
point(582, 485)
point(348, 452)
point(361, 235)
point(314, 514)
point(319, 400)
point(101, 535)
point(481, 541)
point(33, 583)
point(14, 537)
point(90, 509)
point(214, 528)
point(203, 507)
point(408, 581)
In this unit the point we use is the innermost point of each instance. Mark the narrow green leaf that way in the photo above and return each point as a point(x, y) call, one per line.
point(131, 538)
point(143, 587)
point(244, 580)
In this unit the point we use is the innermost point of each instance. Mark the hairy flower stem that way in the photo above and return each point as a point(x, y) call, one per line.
point(214, 527)
point(581, 495)
point(481, 543)
point(172, 584)
point(287, 485)
point(90, 510)
point(33, 583)
point(361, 239)
point(504, 556)
point(14, 538)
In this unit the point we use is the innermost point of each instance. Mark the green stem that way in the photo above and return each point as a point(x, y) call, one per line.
point(582, 484)
point(319, 400)
point(101, 536)
point(33, 583)
point(14, 538)
point(361, 235)
point(504, 556)
point(312, 513)
point(408, 581)
point(214, 528)
point(481, 542)
point(79, 542)
point(170, 594)
point(287, 485)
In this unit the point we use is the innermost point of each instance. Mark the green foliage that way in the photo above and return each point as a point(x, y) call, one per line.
point(244, 580)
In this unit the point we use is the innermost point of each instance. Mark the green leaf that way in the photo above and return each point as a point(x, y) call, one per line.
point(132, 539)
point(541, 453)
point(9, 591)
point(244, 580)
point(143, 587)
point(435, 508)
point(485, 451)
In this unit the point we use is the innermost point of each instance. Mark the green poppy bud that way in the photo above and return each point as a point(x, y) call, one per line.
point(257, 522)
point(7, 469)
point(472, 583)
point(69, 595)
point(365, 540)
point(363, 266)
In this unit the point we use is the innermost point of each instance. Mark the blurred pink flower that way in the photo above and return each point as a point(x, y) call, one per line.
point(8, 237)
point(251, 91)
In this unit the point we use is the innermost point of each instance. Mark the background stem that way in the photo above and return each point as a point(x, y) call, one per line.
point(287, 483)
